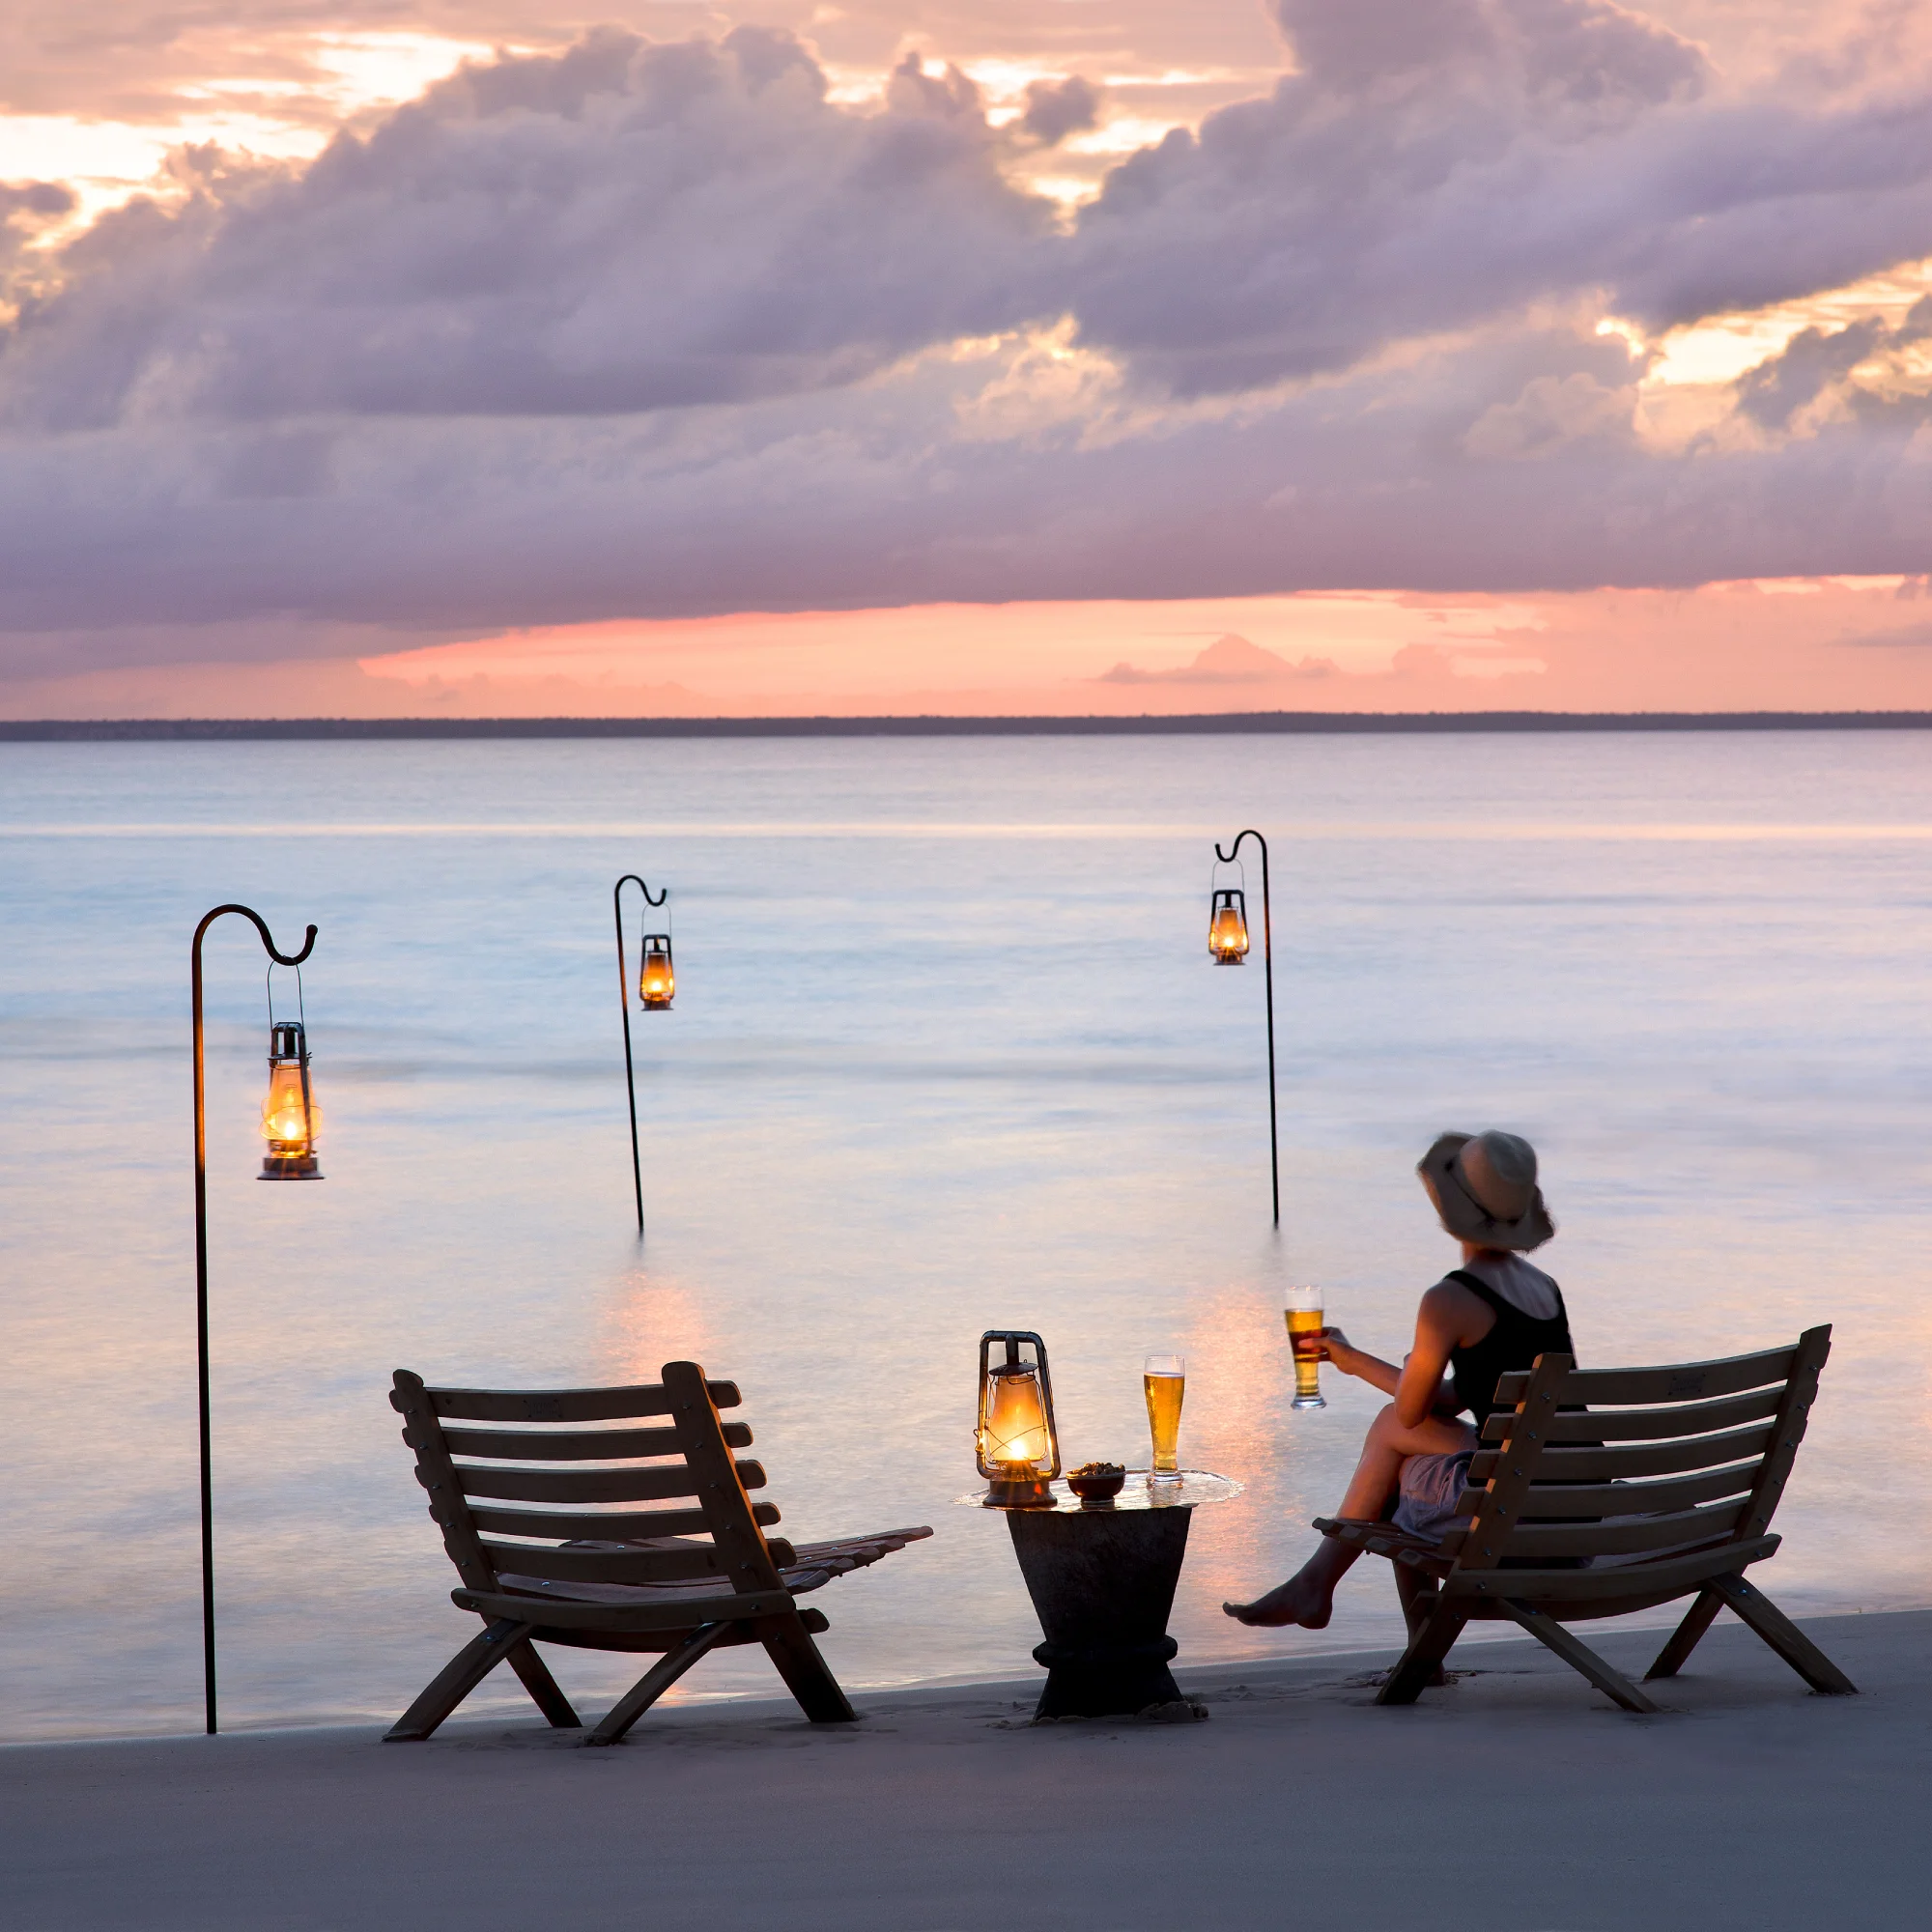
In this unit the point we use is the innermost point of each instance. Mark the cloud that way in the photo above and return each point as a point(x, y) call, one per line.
point(1550, 411)
point(1430, 166)
point(663, 328)
point(1227, 660)
point(1058, 108)
point(620, 228)
point(25, 208)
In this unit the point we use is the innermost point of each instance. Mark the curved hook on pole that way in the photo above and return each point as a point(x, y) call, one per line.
point(275, 952)
point(1227, 858)
point(280, 959)
point(631, 878)
point(624, 1007)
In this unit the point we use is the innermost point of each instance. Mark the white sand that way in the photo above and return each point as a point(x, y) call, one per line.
point(1518, 1801)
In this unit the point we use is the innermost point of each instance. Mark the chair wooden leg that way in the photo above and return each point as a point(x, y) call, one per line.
point(1684, 1638)
point(455, 1680)
point(806, 1675)
point(654, 1683)
point(1784, 1636)
point(1422, 1662)
point(1417, 1594)
point(545, 1692)
point(1580, 1658)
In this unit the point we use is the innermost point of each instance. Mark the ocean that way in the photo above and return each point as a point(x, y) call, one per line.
point(948, 1054)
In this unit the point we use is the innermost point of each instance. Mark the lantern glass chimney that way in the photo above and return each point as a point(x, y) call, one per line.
point(1228, 927)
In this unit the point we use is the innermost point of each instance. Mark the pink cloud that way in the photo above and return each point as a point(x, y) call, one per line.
point(1816, 644)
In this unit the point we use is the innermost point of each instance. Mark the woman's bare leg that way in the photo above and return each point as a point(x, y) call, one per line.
point(1308, 1597)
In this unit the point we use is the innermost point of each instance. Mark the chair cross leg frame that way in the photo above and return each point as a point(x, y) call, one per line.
point(1753, 1607)
point(498, 1639)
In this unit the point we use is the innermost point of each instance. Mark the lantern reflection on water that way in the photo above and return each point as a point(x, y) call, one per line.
point(1017, 1447)
point(1228, 927)
point(290, 1119)
point(656, 983)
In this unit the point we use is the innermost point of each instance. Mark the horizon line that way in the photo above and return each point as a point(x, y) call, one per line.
point(80, 730)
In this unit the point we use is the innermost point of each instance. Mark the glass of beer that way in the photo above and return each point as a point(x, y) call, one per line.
point(1303, 1315)
point(1165, 1379)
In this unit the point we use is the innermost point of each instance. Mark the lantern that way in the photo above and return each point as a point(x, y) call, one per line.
point(1016, 1447)
point(656, 983)
point(290, 1119)
point(1228, 927)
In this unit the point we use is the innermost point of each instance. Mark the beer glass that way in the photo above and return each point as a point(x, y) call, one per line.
point(1303, 1315)
point(1165, 1381)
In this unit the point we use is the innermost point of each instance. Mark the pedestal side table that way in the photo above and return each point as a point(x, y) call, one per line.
point(1102, 1578)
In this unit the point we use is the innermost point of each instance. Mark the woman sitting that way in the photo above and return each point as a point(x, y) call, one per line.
point(1493, 1314)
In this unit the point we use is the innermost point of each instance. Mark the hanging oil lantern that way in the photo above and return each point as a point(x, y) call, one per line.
point(1228, 927)
point(291, 1118)
point(1016, 1445)
point(656, 981)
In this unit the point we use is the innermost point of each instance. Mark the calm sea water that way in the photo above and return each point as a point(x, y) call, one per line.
point(948, 1054)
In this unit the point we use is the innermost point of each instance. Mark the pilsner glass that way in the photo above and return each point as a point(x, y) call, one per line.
point(1303, 1315)
point(1165, 1381)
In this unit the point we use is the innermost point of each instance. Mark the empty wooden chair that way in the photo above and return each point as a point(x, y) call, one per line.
point(572, 1570)
point(1608, 1491)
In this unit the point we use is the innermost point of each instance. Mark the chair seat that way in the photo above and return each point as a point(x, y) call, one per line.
point(815, 1565)
point(667, 1609)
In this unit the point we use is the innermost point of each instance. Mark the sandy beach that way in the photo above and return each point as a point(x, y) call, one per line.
point(1516, 1797)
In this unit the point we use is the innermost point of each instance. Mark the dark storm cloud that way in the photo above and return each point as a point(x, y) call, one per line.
point(655, 329)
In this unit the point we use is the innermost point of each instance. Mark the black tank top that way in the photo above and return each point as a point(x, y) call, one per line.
point(1514, 1343)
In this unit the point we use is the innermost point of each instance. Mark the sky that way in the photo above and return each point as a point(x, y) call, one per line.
point(475, 357)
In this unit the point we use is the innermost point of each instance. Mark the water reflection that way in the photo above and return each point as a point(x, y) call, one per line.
point(883, 1127)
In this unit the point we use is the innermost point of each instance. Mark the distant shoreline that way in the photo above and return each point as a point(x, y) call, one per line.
point(62, 730)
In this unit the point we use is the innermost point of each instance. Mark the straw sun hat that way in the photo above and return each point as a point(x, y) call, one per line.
point(1484, 1186)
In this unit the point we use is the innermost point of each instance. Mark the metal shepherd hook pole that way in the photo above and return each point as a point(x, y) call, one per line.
point(1227, 858)
point(624, 1007)
point(281, 958)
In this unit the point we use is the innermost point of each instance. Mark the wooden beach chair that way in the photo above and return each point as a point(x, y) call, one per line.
point(680, 1581)
point(1608, 1491)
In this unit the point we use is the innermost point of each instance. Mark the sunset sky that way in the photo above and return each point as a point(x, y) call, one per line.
point(478, 357)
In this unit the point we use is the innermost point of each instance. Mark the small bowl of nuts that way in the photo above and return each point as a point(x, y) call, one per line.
point(1097, 1482)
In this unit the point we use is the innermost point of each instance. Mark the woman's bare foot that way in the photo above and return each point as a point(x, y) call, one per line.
point(1299, 1601)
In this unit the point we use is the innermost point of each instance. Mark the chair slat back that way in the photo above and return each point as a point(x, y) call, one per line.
point(1660, 1461)
point(576, 1485)
point(545, 1461)
point(1686, 1381)
point(606, 1405)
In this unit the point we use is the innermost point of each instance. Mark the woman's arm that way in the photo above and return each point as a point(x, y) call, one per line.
point(1439, 1324)
point(1335, 1348)
point(1418, 1385)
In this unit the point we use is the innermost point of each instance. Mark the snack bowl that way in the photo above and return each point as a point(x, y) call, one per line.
point(1098, 1482)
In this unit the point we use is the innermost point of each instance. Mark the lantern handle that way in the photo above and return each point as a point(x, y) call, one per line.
point(624, 1007)
point(1214, 872)
point(301, 1010)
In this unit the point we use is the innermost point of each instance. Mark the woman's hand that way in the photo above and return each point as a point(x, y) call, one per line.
point(1327, 1345)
